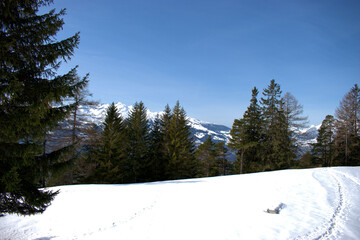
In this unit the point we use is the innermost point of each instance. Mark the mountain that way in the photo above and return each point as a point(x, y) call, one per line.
point(200, 129)
point(306, 137)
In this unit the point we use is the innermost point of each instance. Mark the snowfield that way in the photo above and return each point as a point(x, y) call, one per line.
point(321, 203)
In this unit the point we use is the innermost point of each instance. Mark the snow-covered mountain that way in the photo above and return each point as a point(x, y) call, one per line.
point(320, 203)
point(200, 129)
point(306, 137)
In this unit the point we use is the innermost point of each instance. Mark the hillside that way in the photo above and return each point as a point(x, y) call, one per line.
point(316, 204)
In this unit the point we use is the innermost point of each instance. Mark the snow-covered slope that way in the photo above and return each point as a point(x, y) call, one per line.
point(315, 204)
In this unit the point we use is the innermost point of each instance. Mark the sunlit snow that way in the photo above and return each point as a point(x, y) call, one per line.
point(318, 204)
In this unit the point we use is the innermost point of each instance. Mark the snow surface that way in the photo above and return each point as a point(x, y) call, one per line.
point(319, 204)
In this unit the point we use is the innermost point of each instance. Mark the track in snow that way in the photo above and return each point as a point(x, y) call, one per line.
point(332, 228)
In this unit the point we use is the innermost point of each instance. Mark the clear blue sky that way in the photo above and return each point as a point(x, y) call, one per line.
point(210, 54)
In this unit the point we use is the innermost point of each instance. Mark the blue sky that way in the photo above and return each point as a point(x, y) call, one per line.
point(210, 54)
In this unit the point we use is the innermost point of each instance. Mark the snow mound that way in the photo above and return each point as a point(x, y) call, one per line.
point(320, 204)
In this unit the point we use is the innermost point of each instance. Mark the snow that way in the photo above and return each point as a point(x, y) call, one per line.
point(319, 203)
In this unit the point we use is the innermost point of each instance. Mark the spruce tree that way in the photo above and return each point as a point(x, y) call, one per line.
point(32, 98)
point(324, 147)
point(111, 155)
point(246, 137)
point(165, 129)
point(180, 146)
point(138, 130)
point(158, 158)
point(278, 148)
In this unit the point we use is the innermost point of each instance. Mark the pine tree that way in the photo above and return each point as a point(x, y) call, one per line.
point(111, 155)
point(180, 146)
point(278, 149)
point(246, 137)
point(138, 130)
point(348, 131)
point(324, 147)
point(32, 100)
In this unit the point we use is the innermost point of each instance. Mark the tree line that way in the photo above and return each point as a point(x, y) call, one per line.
point(128, 150)
point(265, 138)
point(338, 141)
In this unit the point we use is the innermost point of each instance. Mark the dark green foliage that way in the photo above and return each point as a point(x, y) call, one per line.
point(224, 166)
point(325, 146)
point(247, 138)
point(138, 143)
point(278, 146)
point(180, 146)
point(206, 155)
point(111, 153)
point(212, 159)
point(157, 156)
point(306, 161)
point(31, 97)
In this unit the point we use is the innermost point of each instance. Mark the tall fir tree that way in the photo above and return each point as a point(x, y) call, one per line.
point(324, 147)
point(112, 149)
point(158, 157)
point(138, 130)
point(278, 149)
point(180, 146)
point(348, 130)
point(247, 136)
point(32, 100)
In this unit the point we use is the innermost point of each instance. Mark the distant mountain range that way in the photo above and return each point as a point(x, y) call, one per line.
point(200, 130)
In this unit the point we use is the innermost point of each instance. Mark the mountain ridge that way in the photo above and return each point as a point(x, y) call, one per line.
point(201, 130)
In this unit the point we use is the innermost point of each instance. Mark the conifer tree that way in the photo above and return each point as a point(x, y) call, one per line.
point(165, 129)
point(224, 166)
point(180, 146)
point(138, 130)
point(246, 137)
point(206, 155)
point(278, 148)
point(31, 100)
point(111, 154)
point(158, 157)
point(324, 148)
point(348, 130)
